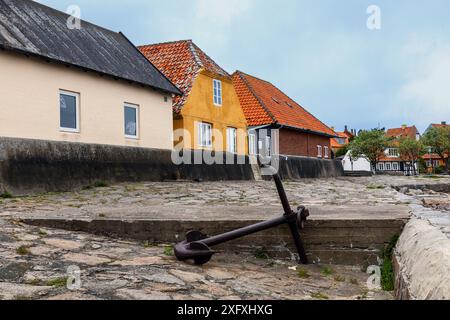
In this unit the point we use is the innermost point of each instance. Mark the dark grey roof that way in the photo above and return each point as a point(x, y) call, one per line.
point(35, 29)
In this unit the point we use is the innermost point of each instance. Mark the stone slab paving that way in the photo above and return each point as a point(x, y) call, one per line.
point(33, 261)
point(34, 264)
point(216, 200)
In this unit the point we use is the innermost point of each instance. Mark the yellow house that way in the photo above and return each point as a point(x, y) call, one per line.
point(208, 115)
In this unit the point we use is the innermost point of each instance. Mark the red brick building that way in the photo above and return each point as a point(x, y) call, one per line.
point(297, 132)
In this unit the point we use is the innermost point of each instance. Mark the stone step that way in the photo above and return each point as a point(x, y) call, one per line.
point(358, 173)
point(350, 240)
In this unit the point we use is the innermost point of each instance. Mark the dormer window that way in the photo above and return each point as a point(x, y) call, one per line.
point(217, 85)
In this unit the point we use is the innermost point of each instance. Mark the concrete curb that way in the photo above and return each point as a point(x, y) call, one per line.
point(422, 263)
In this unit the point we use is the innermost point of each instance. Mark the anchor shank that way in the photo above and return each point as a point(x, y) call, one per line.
point(245, 231)
point(282, 194)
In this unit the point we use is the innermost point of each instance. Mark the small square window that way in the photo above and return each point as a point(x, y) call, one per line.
point(69, 111)
point(131, 118)
point(217, 88)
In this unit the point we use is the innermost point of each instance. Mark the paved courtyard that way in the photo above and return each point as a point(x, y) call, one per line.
point(34, 261)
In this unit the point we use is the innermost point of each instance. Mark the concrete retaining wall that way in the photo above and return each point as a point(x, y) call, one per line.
point(36, 166)
point(422, 263)
point(294, 168)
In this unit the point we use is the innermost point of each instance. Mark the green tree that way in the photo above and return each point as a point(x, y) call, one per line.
point(411, 150)
point(438, 138)
point(370, 145)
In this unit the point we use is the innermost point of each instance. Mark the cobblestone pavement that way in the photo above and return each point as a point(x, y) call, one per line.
point(34, 264)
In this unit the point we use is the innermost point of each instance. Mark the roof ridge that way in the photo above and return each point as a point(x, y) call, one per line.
point(193, 50)
point(164, 43)
point(196, 47)
point(254, 77)
point(252, 91)
point(68, 15)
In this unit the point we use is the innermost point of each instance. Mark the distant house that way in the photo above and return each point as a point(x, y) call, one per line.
point(208, 111)
point(342, 139)
point(391, 160)
point(266, 107)
point(88, 85)
point(433, 160)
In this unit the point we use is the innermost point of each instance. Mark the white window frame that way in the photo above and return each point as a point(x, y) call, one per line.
point(268, 146)
point(136, 107)
point(388, 166)
point(381, 166)
point(204, 128)
point(393, 153)
point(232, 140)
point(319, 152)
point(76, 95)
point(252, 144)
point(326, 151)
point(217, 92)
point(395, 166)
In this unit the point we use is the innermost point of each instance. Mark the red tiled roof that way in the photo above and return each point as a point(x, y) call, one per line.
point(432, 156)
point(265, 104)
point(404, 132)
point(181, 62)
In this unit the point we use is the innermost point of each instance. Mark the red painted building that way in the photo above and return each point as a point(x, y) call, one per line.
point(278, 124)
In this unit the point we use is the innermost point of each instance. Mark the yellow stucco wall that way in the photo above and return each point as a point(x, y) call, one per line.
point(29, 105)
point(200, 107)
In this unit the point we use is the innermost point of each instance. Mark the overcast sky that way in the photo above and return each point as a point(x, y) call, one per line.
point(321, 53)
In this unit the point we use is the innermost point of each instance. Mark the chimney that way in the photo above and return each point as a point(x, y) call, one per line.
point(332, 128)
point(444, 123)
point(346, 129)
point(404, 126)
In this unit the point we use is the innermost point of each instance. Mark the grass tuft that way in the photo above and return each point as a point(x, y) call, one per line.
point(58, 282)
point(303, 273)
point(261, 253)
point(23, 250)
point(375, 186)
point(327, 271)
point(6, 195)
point(168, 251)
point(100, 184)
point(319, 296)
point(387, 268)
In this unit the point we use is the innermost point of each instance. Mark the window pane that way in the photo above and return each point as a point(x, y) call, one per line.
point(68, 111)
point(130, 121)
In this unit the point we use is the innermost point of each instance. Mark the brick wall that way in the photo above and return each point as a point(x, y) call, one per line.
point(301, 144)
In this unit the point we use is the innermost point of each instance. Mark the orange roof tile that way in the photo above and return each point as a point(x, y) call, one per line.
point(403, 132)
point(264, 104)
point(181, 62)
